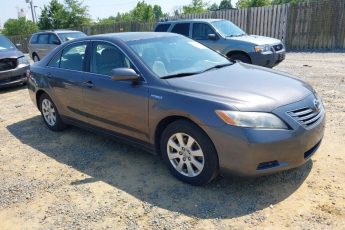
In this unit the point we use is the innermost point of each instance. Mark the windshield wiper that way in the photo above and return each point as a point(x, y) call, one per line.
point(218, 66)
point(236, 35)
point(179, 75)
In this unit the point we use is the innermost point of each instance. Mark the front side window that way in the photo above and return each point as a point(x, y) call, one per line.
point(201, 31)
point(54, 40)
point(106, 57)
point(176, 55)
point(43, 38)
point(73, 56)
point(162, 27)
point(181, 28)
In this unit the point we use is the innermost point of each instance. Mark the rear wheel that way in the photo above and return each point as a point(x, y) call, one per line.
point(50, 114)
point(240, 57)
point(189, 153)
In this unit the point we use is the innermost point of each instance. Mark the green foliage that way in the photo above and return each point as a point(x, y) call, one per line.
point(196, 6)
point(213, 7)
point(252, 3)
point(71, 14)
point(142, 12)
point(19, 26)
point(225, 5)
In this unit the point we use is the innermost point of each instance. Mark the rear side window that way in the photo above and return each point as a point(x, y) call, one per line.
point(43, 38)
point(162, 27)
point(73, 56)
point(33, 39)
point(55, 61)
point(201, 31)
point(181, 28)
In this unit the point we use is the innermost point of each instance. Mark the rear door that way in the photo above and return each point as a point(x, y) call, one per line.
point(119, 106)
point(66, 76)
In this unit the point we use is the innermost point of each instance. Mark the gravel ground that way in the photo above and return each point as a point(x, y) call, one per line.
point(79, 180)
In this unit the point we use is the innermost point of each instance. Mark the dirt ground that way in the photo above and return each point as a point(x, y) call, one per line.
point(79, 180)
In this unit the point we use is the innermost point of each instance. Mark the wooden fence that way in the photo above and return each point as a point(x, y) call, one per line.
point(315, 24)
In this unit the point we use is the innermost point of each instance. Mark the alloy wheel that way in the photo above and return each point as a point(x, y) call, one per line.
point(185, 154)
point(48, 112)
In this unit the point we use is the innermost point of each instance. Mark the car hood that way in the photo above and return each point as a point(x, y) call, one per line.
point(246, 87)
point(256, 40)
point(10, 53)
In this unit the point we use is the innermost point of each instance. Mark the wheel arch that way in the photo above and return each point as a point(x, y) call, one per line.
point(39, 93)
point(238, 52)
point(162, 124)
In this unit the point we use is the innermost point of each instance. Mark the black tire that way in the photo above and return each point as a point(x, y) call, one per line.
point(240, 57)
point(210, 157)
point(58, 125)
point(35, 57)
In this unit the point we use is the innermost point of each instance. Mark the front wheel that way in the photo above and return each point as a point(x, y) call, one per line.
point(50, 114)
point(189, 153)
point(240, 57)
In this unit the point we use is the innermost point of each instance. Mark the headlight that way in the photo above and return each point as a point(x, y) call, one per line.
point(251, 119)
point(23, 60)
point(262, 49)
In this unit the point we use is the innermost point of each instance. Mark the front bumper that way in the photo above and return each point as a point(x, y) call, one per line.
point(269, 60)
point(254, 152)
point(14, 76)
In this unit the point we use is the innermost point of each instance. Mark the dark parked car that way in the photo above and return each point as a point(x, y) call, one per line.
point(13, 64)
point(42, 43)
point(228, 39)
point(173, 96)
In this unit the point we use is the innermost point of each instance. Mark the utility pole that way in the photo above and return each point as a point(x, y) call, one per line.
point(32, 9)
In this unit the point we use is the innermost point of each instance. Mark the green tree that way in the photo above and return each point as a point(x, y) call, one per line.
point(213, 7)
point(157, 12)
point(71, 14)
point(252, 3)
point(53, 16)
point(225, 5)
point(196, 6)
point(19, 26)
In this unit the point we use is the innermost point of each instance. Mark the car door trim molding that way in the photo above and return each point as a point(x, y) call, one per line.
point(106, 121)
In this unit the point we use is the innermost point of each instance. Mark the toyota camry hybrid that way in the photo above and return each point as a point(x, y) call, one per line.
point(203, 113)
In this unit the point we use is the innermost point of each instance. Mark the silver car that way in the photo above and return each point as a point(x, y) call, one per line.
point(225, 37)
point(42, 43)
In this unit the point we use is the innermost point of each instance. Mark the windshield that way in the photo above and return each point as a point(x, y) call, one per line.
point(5, 44)
point(227, 28)
point(70, 36)
point(167, 56)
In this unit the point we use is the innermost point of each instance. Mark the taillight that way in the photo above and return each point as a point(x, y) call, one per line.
point(28, 74)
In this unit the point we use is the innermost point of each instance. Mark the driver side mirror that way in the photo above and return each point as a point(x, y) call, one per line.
point(212, 36)
point(124, 74)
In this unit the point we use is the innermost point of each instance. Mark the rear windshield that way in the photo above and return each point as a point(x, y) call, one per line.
point(70, 36)
point(5, 43)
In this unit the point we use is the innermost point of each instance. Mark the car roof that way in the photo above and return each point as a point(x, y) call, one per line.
point(133, 36)
point(58, 31)
point(191, 20)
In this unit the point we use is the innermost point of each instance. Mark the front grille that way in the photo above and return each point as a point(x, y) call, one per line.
point(307, 116)
point(278, 47)
point(8, 64)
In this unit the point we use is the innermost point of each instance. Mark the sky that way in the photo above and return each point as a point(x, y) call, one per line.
point(97, 8)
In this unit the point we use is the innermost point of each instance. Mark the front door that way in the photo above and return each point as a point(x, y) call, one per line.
point(119, 106)
point(200, 33)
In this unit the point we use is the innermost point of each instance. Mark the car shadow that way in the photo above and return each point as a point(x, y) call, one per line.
point(13, 88)
point(144, 176)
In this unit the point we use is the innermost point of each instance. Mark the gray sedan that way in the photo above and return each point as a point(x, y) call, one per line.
point(13, 64)
point(204, 114)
